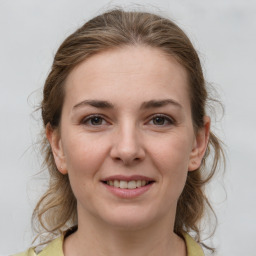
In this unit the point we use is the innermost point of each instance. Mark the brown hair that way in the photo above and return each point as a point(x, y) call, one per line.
point(56, 210)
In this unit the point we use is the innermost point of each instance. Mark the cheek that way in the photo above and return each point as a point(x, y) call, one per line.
point(84, 158)
point(83, 155)
point(173, 151)
point(171, 158)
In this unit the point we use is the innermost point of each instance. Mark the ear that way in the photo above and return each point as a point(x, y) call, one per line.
point(200, 145)
point(54, 139)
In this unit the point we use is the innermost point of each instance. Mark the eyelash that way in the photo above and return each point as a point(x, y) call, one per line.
point(167, 119)
point(90, 118)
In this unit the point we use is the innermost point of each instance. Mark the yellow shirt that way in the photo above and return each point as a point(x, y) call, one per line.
point(55, 248)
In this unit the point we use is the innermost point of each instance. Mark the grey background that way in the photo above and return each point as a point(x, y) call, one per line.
point(224, 33)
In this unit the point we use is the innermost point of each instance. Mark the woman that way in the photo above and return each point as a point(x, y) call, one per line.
point(127, 138)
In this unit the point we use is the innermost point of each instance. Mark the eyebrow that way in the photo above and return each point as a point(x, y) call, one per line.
point(95, 103)
point(145, 105)
point(159, 103)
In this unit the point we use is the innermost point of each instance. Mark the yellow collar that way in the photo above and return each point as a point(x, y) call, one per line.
point(193, 248)
point(55, 248)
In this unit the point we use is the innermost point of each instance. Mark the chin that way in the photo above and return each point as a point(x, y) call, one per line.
point(130, 219)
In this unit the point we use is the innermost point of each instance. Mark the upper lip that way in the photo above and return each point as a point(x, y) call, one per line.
point(127, 178)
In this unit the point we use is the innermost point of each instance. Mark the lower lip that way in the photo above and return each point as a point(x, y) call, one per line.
point(128, 193)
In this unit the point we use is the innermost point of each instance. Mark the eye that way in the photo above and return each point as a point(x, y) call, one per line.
point(161, 120)
point(94, 120)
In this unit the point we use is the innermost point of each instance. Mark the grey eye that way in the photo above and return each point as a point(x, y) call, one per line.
point(96, 120)
point(161, 120)
point(93, 120)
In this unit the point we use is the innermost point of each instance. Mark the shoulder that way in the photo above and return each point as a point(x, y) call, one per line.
point(29, 252)
point(53, 248)
point(193, 248)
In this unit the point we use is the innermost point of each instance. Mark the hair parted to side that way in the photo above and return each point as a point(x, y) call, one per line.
point(56, 210)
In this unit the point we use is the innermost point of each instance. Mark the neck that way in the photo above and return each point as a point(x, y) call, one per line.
point(98, 239)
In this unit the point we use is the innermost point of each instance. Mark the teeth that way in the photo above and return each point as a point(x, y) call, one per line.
point(123, 184)
point(132, 184)
point(138, 183)
point(116, 183)
point(127, 184)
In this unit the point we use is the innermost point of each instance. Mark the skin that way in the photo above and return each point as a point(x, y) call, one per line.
point(127, 139)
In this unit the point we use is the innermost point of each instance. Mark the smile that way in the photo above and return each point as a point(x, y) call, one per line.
point(127, 184)
point(128, 187)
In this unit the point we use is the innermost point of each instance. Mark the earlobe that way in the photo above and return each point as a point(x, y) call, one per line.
point(200, 145)
point(54, 139)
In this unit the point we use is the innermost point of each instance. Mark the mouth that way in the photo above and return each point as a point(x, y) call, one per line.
point(131, 184)
point(128, 187)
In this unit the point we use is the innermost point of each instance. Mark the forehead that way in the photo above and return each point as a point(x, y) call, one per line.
point(128, 72)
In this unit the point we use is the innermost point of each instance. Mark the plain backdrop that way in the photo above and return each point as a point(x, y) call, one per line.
point(223, 32)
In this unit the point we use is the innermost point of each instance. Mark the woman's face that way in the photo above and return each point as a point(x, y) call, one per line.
point(126, 136)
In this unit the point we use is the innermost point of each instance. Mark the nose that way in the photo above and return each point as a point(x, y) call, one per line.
point(127, 145)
